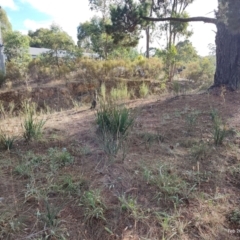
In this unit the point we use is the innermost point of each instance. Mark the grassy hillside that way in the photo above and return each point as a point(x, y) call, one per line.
point(175, 177)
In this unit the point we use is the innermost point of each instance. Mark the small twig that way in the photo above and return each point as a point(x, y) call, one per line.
point(34, 234)
point(129, 190)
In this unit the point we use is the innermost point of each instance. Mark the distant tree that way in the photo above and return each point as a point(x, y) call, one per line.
point(177, 56)
point(100, 35)
point(173, 31)
point(227, 22)
point(38, 38)
point(93, 37)
point(124, 53)
point(6, 26)
point(202, 70)
point(127, 21)
point(102, 6)
point(51, 38)
point(186, 52)
point(62, 49)
point(16, 49)
point(58, 40)
point(170, 58)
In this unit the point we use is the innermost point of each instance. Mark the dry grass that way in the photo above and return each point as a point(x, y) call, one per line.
point(62, 186)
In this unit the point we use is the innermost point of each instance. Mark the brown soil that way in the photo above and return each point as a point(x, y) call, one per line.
point(160, 136)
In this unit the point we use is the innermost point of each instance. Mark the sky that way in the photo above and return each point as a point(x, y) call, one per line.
point(33, 14)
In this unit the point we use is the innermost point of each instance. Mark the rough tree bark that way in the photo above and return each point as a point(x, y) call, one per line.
point(147, 41)
point(228, 58)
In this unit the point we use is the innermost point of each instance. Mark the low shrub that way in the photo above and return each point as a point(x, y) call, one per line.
point(202, 69)
point(12, 72)
point(92, 70)
point(120, 92)
point(151, 67)
point(143, 90)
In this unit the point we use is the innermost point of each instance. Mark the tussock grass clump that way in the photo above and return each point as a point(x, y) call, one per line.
point(176, 87)
point(2, 109)
point(130, 205)
point(144, 90)
point(234, 216)
point(200, 151)
point(94, 205)
point(23, 170)
point(115, 119)
point(7, 110)
point(170, 185)
point(191, 120)
point(219, 129)
point(150, 138)
point(103, 91)
point(219, 133)
point(70, 186)
point(32, 127)
point(7, 141)
point(113, 122)
point(120, 92)
point(50, 216)
point(59, 158)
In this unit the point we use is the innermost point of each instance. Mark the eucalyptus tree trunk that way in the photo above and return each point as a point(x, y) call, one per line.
point(147, 41)
point(228, 58)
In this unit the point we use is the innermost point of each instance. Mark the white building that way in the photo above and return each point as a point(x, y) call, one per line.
point(35, 52)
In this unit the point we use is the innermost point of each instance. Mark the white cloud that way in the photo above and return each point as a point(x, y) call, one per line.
point(67, 13)
point(23, 31)
point(8, 4)
point(204, 33)
point(33, 25)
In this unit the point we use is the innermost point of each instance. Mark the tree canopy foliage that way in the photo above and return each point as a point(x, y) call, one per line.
point(51, 38)
point(16, 49)
point(6, 26)
point(100, 34)
point(126, 22)
point(93, 37)
point(16, 46)
point(102, 6)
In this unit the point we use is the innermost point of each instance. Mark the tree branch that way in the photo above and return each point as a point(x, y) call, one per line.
point(192, 19)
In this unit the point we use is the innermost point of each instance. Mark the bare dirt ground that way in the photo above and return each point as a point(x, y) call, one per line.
point(172, 183)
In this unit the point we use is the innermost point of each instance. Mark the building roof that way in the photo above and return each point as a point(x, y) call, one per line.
point(37, 51)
